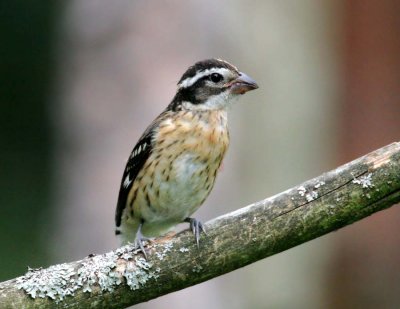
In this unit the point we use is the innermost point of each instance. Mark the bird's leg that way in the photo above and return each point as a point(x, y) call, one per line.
point(139, 239)
point(197, 227)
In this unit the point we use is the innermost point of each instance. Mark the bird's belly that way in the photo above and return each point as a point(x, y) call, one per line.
point(178, 195)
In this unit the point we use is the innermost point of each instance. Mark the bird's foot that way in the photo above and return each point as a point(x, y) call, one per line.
point(139, 239)
point(197, 227)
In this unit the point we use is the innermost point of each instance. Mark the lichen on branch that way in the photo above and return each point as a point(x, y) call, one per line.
point(123, 277)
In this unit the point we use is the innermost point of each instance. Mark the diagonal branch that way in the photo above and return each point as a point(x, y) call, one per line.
point(122, 277)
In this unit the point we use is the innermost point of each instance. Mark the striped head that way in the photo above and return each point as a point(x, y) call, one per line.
point(210, 85)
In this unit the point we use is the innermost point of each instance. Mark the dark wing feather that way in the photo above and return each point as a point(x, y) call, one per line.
point(136, 161)
point(132, 169)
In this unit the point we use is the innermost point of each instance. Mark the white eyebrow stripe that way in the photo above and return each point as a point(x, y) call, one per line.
point(191, 80)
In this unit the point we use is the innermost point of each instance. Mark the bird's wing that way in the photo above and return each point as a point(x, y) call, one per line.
point(139, 155)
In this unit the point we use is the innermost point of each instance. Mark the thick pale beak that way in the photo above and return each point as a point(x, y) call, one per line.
point(242, 84)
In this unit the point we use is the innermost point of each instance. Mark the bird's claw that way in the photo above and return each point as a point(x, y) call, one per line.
point(139, 239)
point(197, 227)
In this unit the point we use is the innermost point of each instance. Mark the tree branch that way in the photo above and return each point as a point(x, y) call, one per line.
point(122, 277)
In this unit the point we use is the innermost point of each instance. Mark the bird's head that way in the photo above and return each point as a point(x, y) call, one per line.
point(210, 85)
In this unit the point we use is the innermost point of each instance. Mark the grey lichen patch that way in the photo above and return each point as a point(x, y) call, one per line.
point(139, 272)
point(109, 271)
point(54, 282)
point(311, 195)
point(168, 246)
point(197, 269)
point(319, 184)
point(365, 181)
point(126, 252)
point(165, 248)
point(302, 191)
point(99, 269)
point(104, 271)
point(160, 255)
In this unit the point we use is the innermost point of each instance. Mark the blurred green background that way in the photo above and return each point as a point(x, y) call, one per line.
point(80, 81)
point(27, 67)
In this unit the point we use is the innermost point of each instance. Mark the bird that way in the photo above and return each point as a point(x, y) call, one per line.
point(173, 166)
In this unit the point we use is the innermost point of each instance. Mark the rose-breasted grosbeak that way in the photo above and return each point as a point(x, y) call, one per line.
point(173, 167)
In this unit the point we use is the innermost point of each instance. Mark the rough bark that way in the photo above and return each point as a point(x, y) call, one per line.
point(122, 277)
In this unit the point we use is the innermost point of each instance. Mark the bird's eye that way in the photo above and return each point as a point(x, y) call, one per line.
point(215, 77)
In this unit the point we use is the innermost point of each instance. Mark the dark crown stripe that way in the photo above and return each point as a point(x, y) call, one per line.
point(206, 65)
